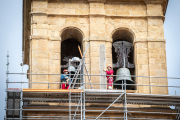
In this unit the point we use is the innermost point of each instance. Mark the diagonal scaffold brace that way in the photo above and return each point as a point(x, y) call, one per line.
point(109, 106)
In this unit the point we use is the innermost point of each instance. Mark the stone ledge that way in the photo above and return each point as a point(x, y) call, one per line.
point(146, 40)
point(156, 39)
point(91, 14)
point(55, 38)
point(97, 1)
point(153, 1)
point(38, 37)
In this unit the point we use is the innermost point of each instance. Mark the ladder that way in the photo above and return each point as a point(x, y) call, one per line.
point(79, 68)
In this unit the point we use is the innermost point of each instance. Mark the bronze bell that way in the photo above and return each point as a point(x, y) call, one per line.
point(124, 75)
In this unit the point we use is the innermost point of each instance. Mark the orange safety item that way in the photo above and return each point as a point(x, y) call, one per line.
point(65, 70)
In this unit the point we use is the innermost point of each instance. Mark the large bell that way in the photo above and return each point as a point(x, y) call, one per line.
point(71, 69)
point(124, 75)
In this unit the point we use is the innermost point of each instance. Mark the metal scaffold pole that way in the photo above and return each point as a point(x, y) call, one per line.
point(70, 101)
point(84, 109)
point(7, 80)
point(21, 101)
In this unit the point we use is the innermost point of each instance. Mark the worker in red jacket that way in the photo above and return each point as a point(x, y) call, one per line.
point(109, 71)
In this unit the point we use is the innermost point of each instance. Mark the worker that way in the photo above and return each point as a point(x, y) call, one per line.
point(65, 80)
point(109, 71)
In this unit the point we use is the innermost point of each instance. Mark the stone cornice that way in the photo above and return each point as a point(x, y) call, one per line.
point(153, 1)
point(120, 16)
point(97, 1)
point(146, 40)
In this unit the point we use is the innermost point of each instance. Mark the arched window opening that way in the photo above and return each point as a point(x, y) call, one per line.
point(71, 39)
point(126, 38)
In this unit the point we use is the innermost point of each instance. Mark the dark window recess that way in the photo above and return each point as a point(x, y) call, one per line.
point(123, 35)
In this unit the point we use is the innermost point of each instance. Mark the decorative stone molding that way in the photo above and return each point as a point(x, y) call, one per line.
point(153, 1)
point(99, 1)
point(38, 37)
point(91, 14)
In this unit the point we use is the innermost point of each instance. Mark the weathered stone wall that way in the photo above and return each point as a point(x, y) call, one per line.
point(96, 22)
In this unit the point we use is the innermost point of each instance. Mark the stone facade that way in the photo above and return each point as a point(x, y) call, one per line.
point(95, 22)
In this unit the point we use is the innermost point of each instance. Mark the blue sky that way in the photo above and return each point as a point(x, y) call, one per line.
point(11, 40)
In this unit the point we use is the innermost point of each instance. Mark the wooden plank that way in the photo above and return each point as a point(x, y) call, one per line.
point(53, 90)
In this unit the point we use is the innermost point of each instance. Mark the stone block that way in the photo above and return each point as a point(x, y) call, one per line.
point(161, 73)
point(94, 54)
point(153, 28)
point(82, 11)
point(42, 68)
point(144, 56)
point(117, 20)
point(34, 43)
point(155, 89)
point(54, 69)
point(160, 60)
point(142, 73)
point(133, 7)
point(95, 60)
point(122, 12)
point(155, 22)
point(39, 6)
point(72, 19)
point(154, 80)
point(155, 66)
point(40, 32)
point(56, 4)
point(142, 34)
point(141, 29)
point(40, 55)
point(152, 60)
point(52, 27)
point(154, 50)
point(84, 20)
point(96, 11)
point(141, 45)
point(141, 22)
point(138, 13)
point(141, 50)
point(142, 61)
point(67, 11)
point(153, 55)
point(56, 20)
point(97, 5)
point(145, 67)
point(154, 9)
point(54, 62)
point(55, 56)
point(110, 12)
point(112, 6)
point(42, 26)
point(83, 5)
point(109, 55)
point(42, 43)
point(130, 22)
point(70, 5)
point(95, 79)
point(164, 66)
point(54, 10)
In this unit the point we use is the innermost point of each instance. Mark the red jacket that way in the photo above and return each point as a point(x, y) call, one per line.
point(109, 73)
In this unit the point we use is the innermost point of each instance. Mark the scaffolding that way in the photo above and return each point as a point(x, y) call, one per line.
point(91, 104)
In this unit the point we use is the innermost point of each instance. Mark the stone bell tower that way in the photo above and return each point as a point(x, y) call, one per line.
point(51, 28)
